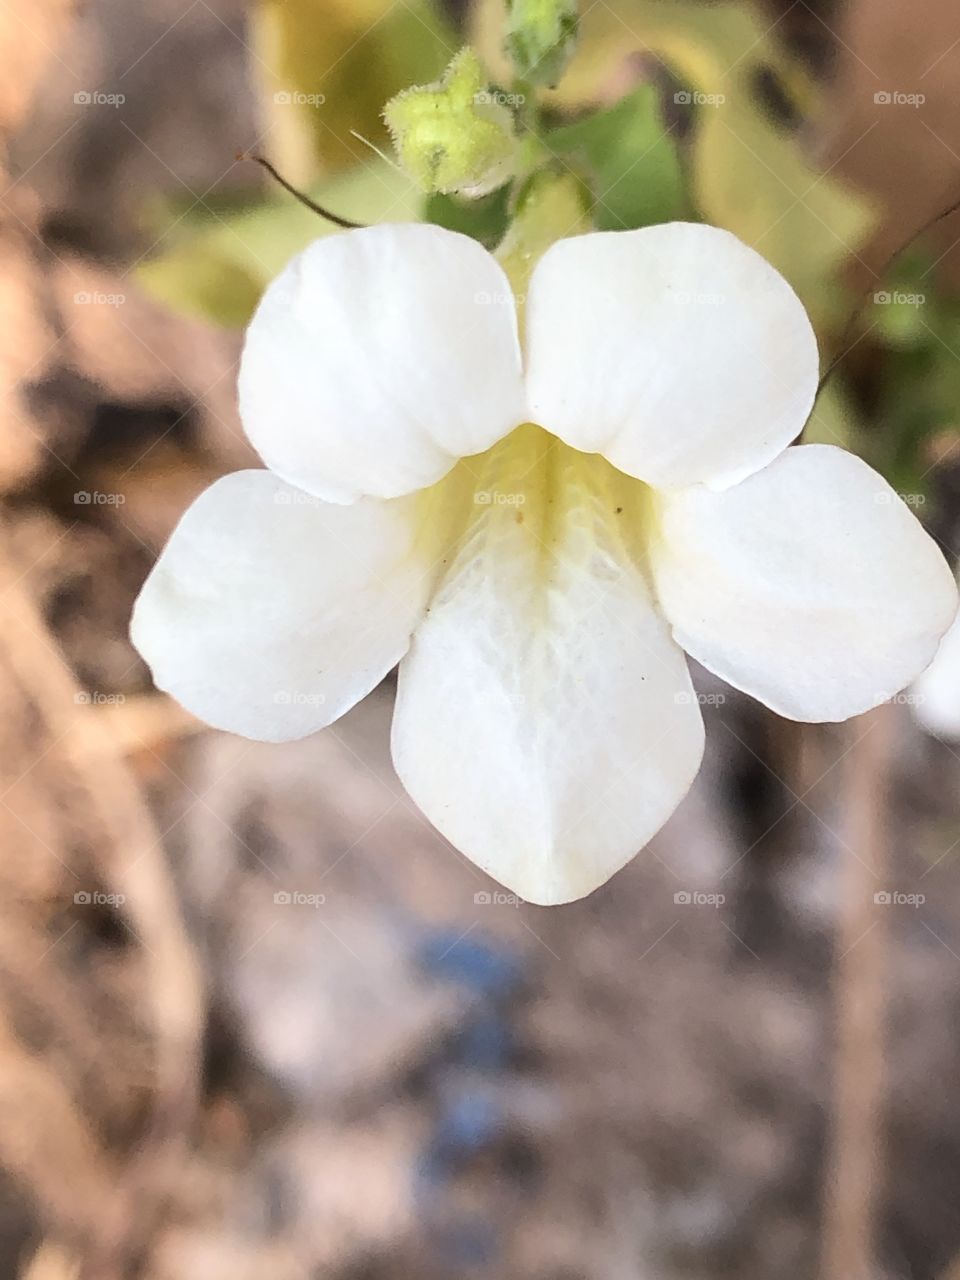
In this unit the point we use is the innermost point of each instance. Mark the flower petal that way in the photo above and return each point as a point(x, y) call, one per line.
point(545, 720)
point(377, 358)
point(676, 351)
point(270, 612)
point(935, 695)
point(810, 585)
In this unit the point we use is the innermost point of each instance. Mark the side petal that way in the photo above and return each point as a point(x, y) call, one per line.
point(545, 721)
point(377, 358)
point(270, 612)
point(810, 585)
point(676, 351)
point(935, 695)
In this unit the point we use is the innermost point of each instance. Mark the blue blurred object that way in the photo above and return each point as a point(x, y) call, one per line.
point(488, 968)
point(467, 1076)
point(485, 1041)
point(469, 1242)
point(469, 1121)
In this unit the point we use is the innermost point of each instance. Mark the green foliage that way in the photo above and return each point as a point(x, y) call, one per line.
point(630, 161)
point(541, 36)
point(220, 264)
point(833, 419)
point(748, 173)
point(721, 154)
point(549, 206)
point(485, 219)
point(918, 329)
point(326, 67)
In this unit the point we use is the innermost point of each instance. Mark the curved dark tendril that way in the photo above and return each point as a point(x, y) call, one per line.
point(298, 195)
point(347, 225)
point(858, 310)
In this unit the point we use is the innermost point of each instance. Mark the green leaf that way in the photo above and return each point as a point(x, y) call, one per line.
point(919, 393)
point(832, 419)
point(630, 160)
point(326, 67)
point(219, 265)
point(485, 219)
point(748, 173)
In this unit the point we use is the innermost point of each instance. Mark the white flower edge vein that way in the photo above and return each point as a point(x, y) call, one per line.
point(538, 584)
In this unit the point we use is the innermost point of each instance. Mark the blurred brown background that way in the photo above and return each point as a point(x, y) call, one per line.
point(199, 1081)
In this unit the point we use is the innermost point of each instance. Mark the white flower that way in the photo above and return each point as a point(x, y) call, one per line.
point(538, 584)
point(935, 696)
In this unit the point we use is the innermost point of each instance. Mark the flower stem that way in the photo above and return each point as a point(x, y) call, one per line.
point(855, 1166)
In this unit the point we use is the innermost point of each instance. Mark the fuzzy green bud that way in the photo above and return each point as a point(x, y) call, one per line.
point(540, 39)
point(455, 136)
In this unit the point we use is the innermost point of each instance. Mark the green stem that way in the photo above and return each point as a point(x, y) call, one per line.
point(528, 109)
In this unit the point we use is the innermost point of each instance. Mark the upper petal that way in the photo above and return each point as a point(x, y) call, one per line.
point(271, 612)
point(810, 585)
point(676, 351)
point(377, 358)
point(545, 721)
